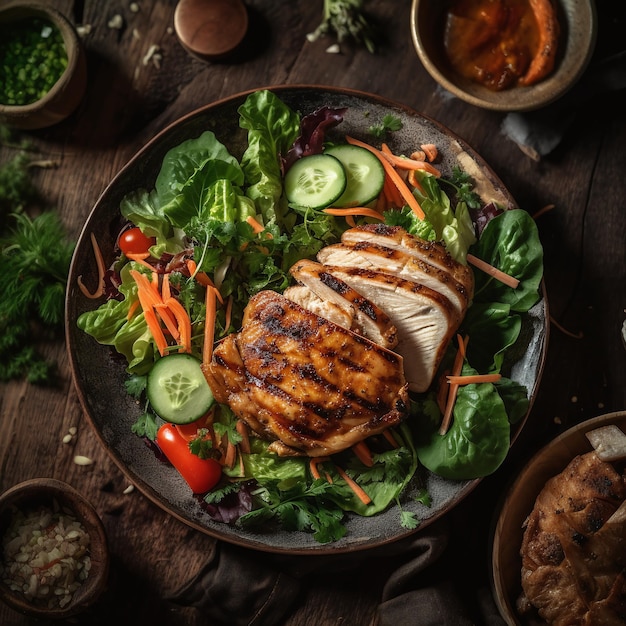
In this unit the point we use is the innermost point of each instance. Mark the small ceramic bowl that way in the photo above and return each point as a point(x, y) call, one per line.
point(55, 495)
point(508, 532)
point(66, 94)
point(578, 25)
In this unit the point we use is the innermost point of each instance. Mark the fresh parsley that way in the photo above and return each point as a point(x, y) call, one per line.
point(463, 185)
point(389, 124)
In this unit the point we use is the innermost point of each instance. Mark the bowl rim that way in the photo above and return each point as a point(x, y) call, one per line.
point(519, 99)
point(46, 490)
point(548, 461)
point(71, 42)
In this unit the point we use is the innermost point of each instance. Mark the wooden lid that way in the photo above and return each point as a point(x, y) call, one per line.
point(210, 29)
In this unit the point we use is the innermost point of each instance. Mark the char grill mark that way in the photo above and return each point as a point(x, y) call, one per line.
point(298, 378)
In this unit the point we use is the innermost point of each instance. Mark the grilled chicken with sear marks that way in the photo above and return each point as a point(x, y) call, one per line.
point(312, 386)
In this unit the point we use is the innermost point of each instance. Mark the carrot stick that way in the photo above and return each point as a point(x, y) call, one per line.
point(166, 292)
point(388, 435)
point(132, 309)
point(363, 453)
point(406, 193)
point(474, 378)
point(257, 227)
point(405, 163)
point(358, 491)
point(209, 326)
point(503, 277)
point(456, 371)
point(231, 454)
point(357, 210)
point(184, 323)
point(242, 429)
point(101, 271)
point(313, 463)
point(155, 330)
point(228, 313)
point(203, 278)
point(430, 150)
point(141, 259)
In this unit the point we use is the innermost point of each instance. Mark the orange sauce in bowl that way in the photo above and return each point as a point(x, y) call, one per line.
point(495, 42)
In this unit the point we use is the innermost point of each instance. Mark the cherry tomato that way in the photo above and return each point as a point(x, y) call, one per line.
point(200, 474)
point(190, 431)
point(133, 241)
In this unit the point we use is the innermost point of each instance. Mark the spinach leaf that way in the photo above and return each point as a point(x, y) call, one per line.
point(493, 330)
point(478, 440)
point(511, 243)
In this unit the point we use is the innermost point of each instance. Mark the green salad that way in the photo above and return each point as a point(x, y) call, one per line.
point(215, 230)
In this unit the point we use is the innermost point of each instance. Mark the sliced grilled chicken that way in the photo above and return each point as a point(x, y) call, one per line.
point(400, 263)
point(311, 385)
point(370, 319)
point(307, 299)
point(398, 238)
point(425, 319)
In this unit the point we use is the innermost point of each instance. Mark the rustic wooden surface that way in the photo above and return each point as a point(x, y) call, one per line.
point(128, 102)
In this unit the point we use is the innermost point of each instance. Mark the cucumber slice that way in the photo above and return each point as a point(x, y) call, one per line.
point(177, 389)
point(364, 171)
point(315, 181)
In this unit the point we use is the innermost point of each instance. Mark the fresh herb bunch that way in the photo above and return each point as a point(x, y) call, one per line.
point(34, 263)
point(345, 19)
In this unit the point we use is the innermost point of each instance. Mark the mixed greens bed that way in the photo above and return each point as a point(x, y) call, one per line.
point(214, 230)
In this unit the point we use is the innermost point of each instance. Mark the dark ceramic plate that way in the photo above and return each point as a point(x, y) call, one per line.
point(99, 377)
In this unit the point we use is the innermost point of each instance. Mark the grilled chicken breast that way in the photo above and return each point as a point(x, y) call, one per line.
point(367, 255)
point(395, 237)
point(368, 318)
point(297, 378)
point(574, 547)
point(425, 319)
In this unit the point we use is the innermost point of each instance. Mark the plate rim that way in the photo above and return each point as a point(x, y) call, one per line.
point(147, 490)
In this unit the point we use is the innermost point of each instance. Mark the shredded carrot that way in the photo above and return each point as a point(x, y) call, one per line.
point(452, 392)
point(503, 277)
point(257, 227)
point(412, 180)
point(405, 163)
point(404, 190)
point(392, 194)
point(313, 463)
point(543, 210)
point(350, 221)
point(209, 326)
point(363, 453)
point(228, 313)
point(132, 309)
point(203, 278)
point(183, 321)
point(474, 378)
point(357, 489)
point(141, 259)
point(430, 150)
point(242, 429)
point(99, 291)
point(388, 435)
point(155, 330)
point(442, 392)
point(166, 292)
point(150, 298)
point(231, 454)
point(357, 210)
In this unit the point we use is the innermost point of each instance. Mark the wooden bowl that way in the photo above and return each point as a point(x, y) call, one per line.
point(506, 563)
point(66, 94)
point(577, 19)
point(48, 492)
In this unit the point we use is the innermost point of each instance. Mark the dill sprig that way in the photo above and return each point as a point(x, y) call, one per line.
point(34, 263)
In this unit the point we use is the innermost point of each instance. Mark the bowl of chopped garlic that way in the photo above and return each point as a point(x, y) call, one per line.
point(44, 66)
point(54, 558)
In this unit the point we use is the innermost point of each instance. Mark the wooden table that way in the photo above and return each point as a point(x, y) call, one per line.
point(130, 98)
